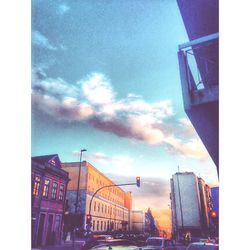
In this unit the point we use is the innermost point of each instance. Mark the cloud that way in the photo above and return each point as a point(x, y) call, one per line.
point(193, 148)
point(92, 100)
point(97, 89)
point(53, 87)
point(40, 40)
point(116, 164)
point(69, 109)
point(63, 8)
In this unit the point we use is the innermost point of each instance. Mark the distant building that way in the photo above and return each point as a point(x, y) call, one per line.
point(111, 207)
point(49, 185)
point(150, 224)
point(190, 205)
point(138, 221)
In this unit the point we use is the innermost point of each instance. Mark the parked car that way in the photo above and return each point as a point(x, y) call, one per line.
point(202, 246)
point(156, 243)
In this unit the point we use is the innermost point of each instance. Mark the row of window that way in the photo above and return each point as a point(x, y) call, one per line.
point(104, 209)
point(46, 188)
point(105, 225)
point(100, 183)
point(105, 194)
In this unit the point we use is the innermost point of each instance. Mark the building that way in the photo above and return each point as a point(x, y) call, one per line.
point(199, 70)
point(138, 221)
point(190, 205)
point(215, 199)
point(214, 219)
point(150, 224)
point(111, 206)
point(49, 185)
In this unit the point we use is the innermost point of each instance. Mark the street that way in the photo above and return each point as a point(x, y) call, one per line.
point(78, 243)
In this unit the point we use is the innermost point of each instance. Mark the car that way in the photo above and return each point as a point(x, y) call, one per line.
point(156, 243)
point(115, 244)
point(202, 246)
point(94, 240)
point(103, 237)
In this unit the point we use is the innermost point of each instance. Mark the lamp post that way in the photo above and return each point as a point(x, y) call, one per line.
point(77, 194)
point(79, 176)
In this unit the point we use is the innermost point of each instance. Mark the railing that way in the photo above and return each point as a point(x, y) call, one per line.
point(201, 62)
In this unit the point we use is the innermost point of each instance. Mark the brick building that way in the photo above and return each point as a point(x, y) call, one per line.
point(49, 185)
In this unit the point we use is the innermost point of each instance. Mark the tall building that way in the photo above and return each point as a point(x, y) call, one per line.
point(199, 70)
point(49, 185)
point(190, 205)
point(110, 208)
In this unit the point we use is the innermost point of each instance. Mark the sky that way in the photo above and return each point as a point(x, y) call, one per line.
point(105, 77)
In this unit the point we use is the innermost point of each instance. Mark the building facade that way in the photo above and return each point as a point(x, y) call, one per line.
point(110, 208)
point(190, 205)
point(138, 221)
point(49, 185)
point(214, 220)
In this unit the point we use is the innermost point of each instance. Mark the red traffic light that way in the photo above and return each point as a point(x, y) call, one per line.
point(213, 214)
point(138, 181)
point(89, 219)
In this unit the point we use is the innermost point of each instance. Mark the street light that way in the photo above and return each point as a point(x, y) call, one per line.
point(79, 176)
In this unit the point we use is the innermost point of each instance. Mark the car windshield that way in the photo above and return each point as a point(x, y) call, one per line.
point(154, 242)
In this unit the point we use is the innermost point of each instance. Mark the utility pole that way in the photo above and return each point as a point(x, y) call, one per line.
point(77, 194)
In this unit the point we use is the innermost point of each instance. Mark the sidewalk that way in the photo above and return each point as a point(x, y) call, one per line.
point(63, 246)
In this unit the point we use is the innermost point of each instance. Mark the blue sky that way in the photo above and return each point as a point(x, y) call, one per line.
point(105, 77)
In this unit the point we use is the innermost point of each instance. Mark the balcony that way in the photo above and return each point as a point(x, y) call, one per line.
point(199, 73)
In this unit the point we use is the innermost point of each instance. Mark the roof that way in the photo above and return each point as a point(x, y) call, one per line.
point(49, 159)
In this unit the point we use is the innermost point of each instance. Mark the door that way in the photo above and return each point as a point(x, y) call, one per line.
point(49, 239)
point(40, 229)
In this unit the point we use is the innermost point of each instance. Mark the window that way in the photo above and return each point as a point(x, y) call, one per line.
point(61, 192)
point(98, 207)
point(54, 190)
point(105, 209)
point(97, 226)
point(93, 225)
point(102, 208)
point(36, 186)
point(46, 188)
point(101, 225)
point(94, 205)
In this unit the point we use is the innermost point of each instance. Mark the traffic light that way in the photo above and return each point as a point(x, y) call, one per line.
point(213, 214)
point(89, 219)
point(138, 181)
point(214, 217)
